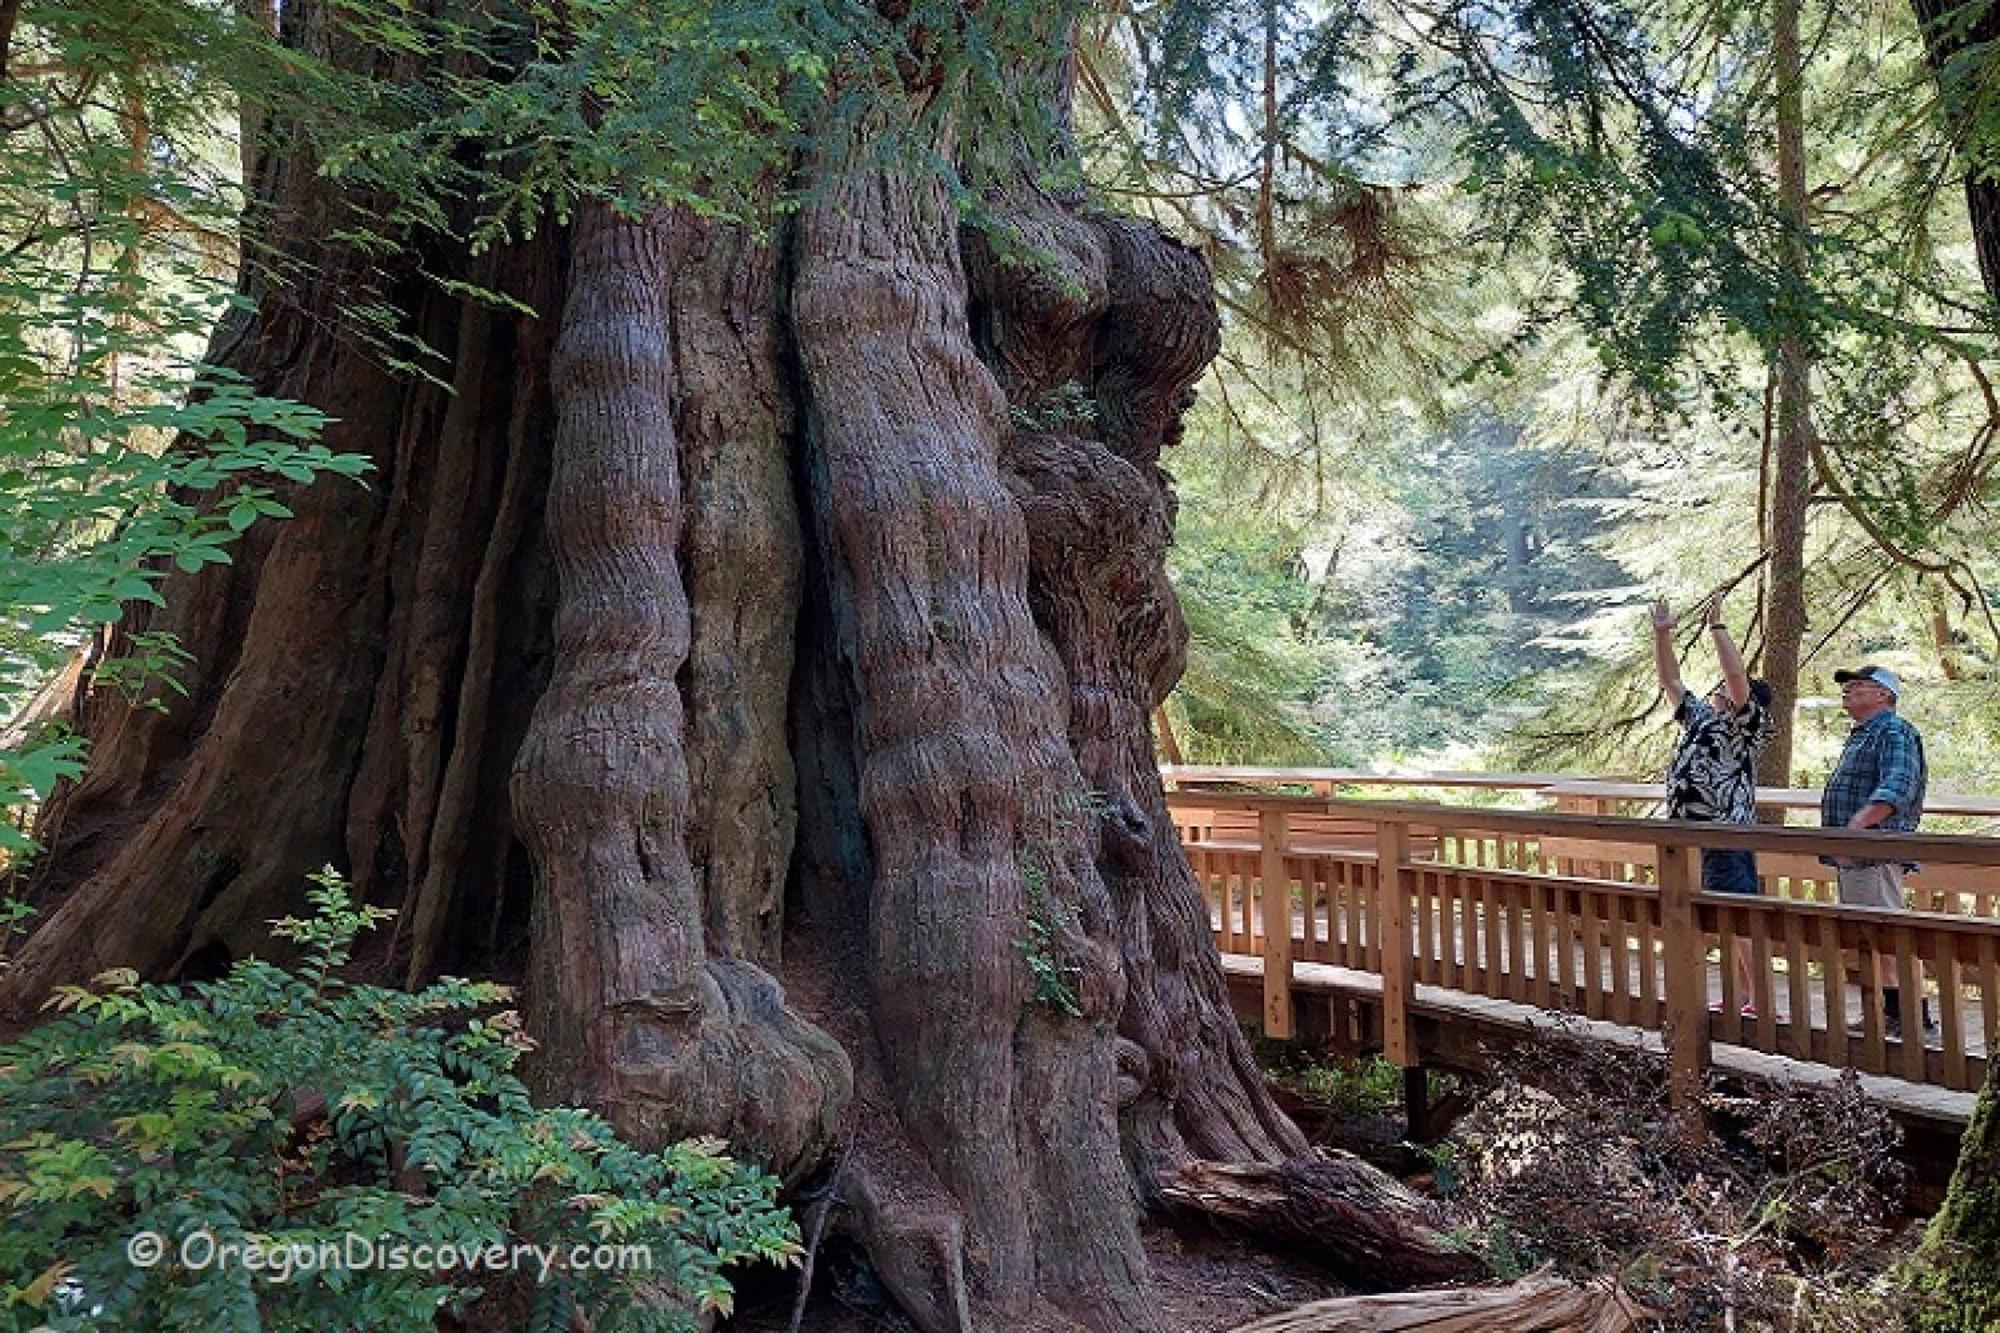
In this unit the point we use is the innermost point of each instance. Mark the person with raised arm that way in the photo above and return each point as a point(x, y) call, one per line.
point(1712, 777)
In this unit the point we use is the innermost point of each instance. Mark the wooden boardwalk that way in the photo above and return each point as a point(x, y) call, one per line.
point(1475, 1020)
point(1509, 918)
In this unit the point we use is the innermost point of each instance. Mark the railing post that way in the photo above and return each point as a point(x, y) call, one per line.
point(1276, 899)
point(1687, 979)
point(1393, 883)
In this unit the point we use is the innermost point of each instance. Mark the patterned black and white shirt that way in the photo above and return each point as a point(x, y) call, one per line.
point(1713, 776)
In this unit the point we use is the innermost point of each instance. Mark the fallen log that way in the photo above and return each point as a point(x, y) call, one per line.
point(1376, 1232)
point(1538, 1304)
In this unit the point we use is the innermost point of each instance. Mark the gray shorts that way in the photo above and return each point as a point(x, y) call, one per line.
point(1879, 884)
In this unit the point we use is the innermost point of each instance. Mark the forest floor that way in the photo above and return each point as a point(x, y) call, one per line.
point(1207, 1282)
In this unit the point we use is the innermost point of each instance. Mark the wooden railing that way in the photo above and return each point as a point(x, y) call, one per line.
point(1505, 904)
point(1784, 875)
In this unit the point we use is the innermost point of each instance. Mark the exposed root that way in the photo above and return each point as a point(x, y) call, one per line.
point(1375, 1231)
point(913, 1234)
point(737, 1063)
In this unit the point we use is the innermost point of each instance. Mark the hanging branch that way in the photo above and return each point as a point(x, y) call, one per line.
point(1854, 605)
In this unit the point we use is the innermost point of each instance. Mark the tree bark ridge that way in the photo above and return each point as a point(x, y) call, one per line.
point(632, 1016)
point(966, 783)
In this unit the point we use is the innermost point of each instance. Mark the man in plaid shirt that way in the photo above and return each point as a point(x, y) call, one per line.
point(1877, 783)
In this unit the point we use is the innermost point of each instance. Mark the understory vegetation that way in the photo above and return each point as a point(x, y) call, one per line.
point(1790, 1214)
point(302, 1152)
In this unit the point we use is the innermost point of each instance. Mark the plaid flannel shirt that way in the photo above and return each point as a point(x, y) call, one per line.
point(1883, 760)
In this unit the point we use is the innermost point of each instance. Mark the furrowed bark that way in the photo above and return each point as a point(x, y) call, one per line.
point(1097, 342)
point(744, 559)
point(169, 854)
point(201, 810)
point(632, 1016)
point(966, 784)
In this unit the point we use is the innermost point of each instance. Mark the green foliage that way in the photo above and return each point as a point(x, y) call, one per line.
point(1559, 217)
point(1067, 406)
point(1042, 948)
point(1384, 615)
point(122, 456)
point(523, 110)
point(304, 1120)
point(1351, 1087)
point(1251, 679)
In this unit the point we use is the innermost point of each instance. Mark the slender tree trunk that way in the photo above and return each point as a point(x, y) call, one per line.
point(1791, 463)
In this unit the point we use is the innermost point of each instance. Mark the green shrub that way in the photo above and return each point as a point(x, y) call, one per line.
point(1346, 1085)
point(331, 1132)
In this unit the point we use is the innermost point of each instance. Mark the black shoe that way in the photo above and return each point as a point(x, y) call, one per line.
point(1892, 1028)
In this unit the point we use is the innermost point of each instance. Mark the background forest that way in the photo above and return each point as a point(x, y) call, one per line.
point(1503, 360)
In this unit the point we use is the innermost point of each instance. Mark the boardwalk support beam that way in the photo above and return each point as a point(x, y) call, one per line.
point(1394, 882)
point(1686, 980)
point(1274, 903)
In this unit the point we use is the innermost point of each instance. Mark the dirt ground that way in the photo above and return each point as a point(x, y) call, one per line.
point(1207, 1283)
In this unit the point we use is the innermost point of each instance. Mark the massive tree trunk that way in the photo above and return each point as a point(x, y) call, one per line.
point(739, 656)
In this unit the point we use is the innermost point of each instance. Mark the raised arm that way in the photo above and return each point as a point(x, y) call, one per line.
point(1663, 653)
point(1735, 679)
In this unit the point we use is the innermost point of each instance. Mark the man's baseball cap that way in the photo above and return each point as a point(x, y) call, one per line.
point(1879, 675)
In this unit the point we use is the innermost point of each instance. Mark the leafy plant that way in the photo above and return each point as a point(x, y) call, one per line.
point(305, 1119)
point(1042, 947)
point(1068, 405)
point(124, 454)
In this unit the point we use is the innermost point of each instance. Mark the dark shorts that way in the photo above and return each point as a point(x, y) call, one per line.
point(1729, 872)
